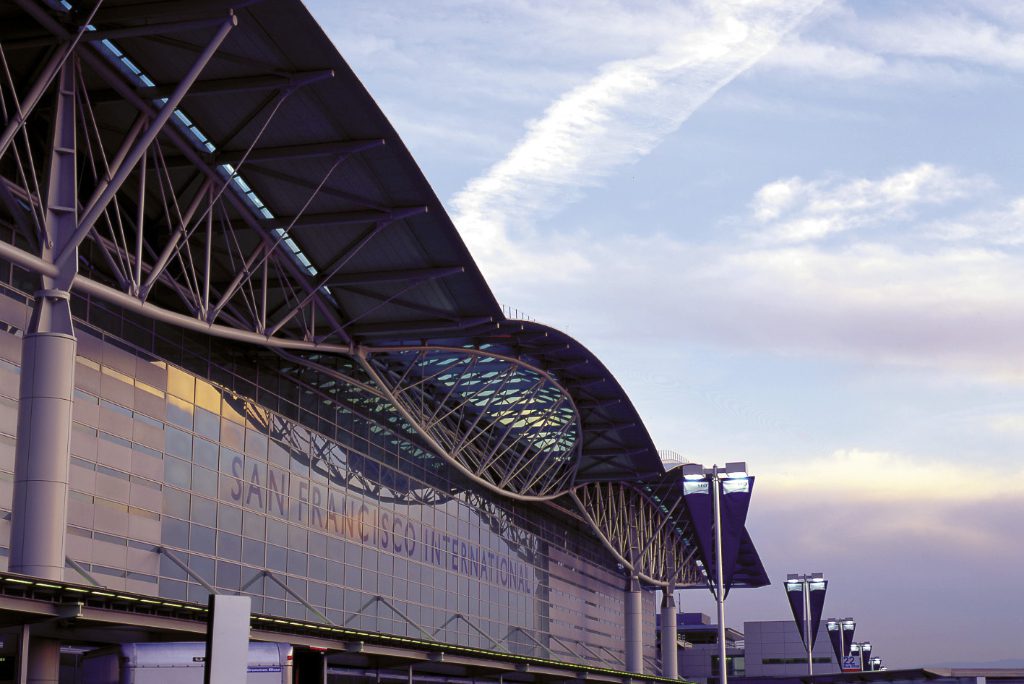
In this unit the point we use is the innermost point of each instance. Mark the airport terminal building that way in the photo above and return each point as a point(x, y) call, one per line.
point(243, 350)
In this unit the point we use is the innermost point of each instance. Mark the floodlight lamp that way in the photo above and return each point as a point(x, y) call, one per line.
point(816, 585)
point(736, 470)
point(855, 647)
point(866, 647)
point(849, 625)
point(832, 625)
point(693, 471)
point(793, 585)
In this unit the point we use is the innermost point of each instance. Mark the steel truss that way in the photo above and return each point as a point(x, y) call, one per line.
point(151, 233)
point(505, 424)
point(644, 528)
point(165, 225)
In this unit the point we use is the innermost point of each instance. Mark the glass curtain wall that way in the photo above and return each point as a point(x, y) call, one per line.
point(312, 496)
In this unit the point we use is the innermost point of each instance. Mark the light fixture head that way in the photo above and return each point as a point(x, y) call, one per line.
point(736, 470)
point(693, 471)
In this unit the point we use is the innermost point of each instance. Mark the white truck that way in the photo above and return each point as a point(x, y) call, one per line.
point(179, 663)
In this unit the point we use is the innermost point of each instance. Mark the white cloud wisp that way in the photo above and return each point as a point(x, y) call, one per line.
point(794, 210)
point(618, 116)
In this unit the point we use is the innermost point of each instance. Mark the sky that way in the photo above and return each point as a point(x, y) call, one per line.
point(793, 231)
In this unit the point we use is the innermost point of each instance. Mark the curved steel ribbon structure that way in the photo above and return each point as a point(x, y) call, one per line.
point(220, 189)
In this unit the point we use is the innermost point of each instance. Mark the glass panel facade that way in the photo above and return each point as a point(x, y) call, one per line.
point(308, 494)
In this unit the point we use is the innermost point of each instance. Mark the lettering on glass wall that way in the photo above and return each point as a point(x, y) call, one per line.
point(273, 491)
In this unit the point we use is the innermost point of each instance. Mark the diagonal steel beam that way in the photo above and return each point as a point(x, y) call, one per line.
point(338, 264)
point(172, 242)
point(32, 98)
point(102, 66)
point(106, 191)
point(49, 72)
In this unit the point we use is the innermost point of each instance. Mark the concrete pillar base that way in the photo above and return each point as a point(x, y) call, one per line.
point(43, 661)
point(42, 461)
point(633, 618)
point(669, 651)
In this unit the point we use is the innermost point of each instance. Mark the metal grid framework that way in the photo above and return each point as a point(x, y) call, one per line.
point(506, 424)
point(641, 528)
point(188, 163)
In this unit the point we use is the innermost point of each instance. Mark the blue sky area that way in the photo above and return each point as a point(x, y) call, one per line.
point(793, 230)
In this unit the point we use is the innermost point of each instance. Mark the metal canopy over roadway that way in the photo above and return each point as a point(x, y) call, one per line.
point(233, 177)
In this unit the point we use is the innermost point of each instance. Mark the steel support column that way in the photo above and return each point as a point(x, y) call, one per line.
point(669, 651)
point(47, 376)
point(44, 431)
point(633, 600)
point(43, 662)
point(39, 515)
point(634, 625)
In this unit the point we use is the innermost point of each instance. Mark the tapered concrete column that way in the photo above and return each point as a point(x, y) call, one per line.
point(42, 460)
point(634, 624)
point(669, 654)
point(44, 662)
point(41, 464)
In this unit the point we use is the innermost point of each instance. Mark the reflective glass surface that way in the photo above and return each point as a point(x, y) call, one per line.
point(324, 506)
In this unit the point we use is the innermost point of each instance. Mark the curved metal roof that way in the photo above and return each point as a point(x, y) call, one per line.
point(319, 179)
point(614, 443)
point(240, 181)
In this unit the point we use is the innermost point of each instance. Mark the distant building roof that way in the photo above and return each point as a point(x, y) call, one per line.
point(922, 674)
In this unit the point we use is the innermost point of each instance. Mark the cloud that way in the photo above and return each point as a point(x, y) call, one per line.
point(888, 295)
point(614, 118)
point(951, 45)
point(884, 476)
point(949, 36)
point(1003, 226)
point(954, 310)
point(793, 210)
point(888, 560)
point(812, 58)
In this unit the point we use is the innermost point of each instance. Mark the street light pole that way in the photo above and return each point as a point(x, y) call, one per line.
point(807, 608)
point(807, 630)
point(865, 656)
point(837, 633)
point(719, 594)
point(699, 477)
